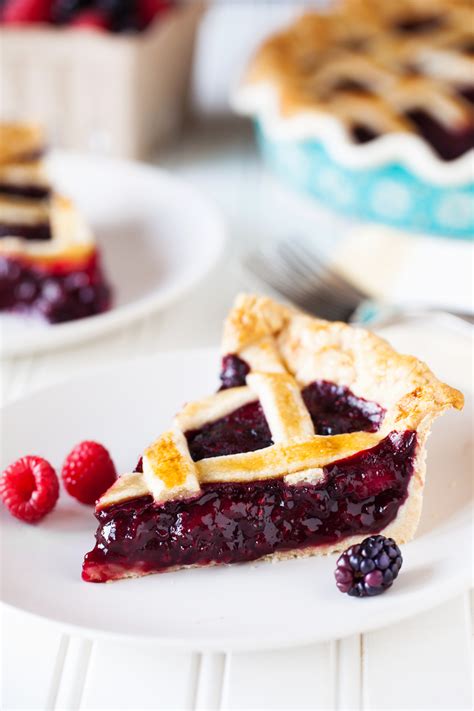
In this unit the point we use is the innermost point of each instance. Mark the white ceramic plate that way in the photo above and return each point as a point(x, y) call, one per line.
point(158, 237)
point(236, 607)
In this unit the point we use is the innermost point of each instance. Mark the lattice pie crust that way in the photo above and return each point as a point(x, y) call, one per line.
point(286, 350)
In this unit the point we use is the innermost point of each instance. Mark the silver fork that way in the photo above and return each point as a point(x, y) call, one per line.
point(303, 276)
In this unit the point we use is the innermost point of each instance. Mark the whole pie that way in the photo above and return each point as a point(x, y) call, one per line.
point(377, 68)
point(315, 439)
point(49, 261)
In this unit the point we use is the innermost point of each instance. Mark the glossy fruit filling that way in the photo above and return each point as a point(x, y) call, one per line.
point(448, 143)
point(334, 409)
point(233, 372)
point(244, 430)
point(236, 522)
point(58, 292)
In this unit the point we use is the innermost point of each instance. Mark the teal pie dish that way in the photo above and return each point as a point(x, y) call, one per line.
point(389, 192)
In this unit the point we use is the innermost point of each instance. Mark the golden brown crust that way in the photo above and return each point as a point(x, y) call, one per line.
point(311, 348)
point(71, 240)
point(20, 141)
point(168, 469)
point(24, 173)
point(357, 65)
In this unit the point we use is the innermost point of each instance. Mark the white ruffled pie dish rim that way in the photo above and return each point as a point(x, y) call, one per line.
point(261, 100)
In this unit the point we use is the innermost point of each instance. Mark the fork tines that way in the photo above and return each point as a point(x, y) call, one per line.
point(302, 275)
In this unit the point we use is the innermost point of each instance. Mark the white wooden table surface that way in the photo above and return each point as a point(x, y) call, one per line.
point(422, 663)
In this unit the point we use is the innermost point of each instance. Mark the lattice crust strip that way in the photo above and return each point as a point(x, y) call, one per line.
point(71, 238)
point(266, 333)
point(357, 64)
point(21, 149)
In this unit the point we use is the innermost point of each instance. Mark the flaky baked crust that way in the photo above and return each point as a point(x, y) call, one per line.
point(271, 337)
point(355, 64)
point(285, 350)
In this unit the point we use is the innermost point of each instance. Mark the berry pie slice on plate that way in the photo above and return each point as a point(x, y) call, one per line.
point(49, 262)
point(315, 440)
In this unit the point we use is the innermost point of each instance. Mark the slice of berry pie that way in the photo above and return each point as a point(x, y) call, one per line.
point(49, 262)
point(315, 440)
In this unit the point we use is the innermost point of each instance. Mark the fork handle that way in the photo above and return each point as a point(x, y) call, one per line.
point(378, 314)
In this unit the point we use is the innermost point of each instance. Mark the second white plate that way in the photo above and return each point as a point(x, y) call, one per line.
point(158, 237)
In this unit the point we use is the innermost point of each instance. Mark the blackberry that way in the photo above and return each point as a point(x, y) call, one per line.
point(122, 14)
point(368, 568)
point(63, 11)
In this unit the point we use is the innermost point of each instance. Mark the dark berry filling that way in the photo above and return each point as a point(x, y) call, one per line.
point(233, 372)
point(58, 293)
point(468, 93)
point(237, 522)
point(244, 430)
point(363, 134)
point(36, 192)
point(420, 25)
point(38, 231)
point(334, 409)
point(448, 143)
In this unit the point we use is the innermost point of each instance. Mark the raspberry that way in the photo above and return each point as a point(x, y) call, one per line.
point(29, 488)
point(88, 472)
point(17, 12)
point(368, 568)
